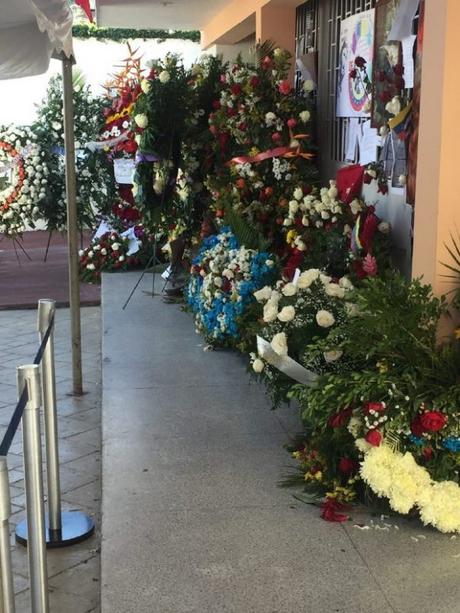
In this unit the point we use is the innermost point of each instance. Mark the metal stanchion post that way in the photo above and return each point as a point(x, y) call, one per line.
point(62, 528)
point(7, 587)
point(46, 311)
point(29, 378)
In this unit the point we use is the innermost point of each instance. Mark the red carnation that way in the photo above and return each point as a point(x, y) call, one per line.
point(374, 437)
point(347, 466)
point(216, 105)
point(378, 407)
point(433, 421)
point(340, 419)
point(276, 137)
point(367, 178)
point(285, 87)
point(360, 62)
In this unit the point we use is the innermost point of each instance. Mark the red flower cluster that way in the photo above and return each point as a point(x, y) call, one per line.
point(429, 421)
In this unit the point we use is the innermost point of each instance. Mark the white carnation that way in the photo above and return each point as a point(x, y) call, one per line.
point(262, 295)
point(304, 116)
point(298, 193)
point(270, 312)
point(307, 278)
point(333, 355)
point(334, 290)
point(141, 120)
point(164, 76)
point(289, 289)
point(258, 365)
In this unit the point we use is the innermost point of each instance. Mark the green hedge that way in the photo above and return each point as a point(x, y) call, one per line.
point(124, 34)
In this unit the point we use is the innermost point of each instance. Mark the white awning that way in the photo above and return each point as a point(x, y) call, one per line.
point(31, 31)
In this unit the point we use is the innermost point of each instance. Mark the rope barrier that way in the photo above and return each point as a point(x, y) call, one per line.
point(19, 410)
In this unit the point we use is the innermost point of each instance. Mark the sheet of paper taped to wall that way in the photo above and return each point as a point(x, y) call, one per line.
point(285, 364)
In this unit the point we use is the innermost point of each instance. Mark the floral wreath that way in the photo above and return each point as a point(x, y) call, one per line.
point(18, 202)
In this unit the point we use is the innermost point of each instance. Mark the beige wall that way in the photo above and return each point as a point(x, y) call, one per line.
point(437, 208)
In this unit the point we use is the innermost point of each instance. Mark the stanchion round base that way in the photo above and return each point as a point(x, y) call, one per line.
point(76, 527)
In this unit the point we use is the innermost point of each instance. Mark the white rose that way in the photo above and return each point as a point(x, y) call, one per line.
point(333, 355)
point(286, 314)
point(115, 246)
point(104, 251)
point(287, 222)
point(384, 227)
point(402, 179)
point(141, 120)
point(262, 295)
point(258, 365)
point(270, 118)
point(91, 267)
point(289, 289)
point(298, 193)
point(355, 206)
point(275, 296)
point(308, 86)
point(121, 258)
point(90, 254)
point(145, 86)
point(333, 289)
point(304, 116)
point(351, 309)
point(164, 76)
point(307, 278)
point(270, 312)
point(81, 253)
point(325, 279)
point(293, 207)
point(345, 283)
point(305, 221)
point(279, 344)
point(325, 319)
point(394, 106)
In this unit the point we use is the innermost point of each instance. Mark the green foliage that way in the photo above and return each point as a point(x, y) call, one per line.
point(124, 34)
point(95, 181)
point(247, 235)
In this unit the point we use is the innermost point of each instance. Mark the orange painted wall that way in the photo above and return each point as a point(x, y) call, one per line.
point(230, 17)
point(437, 208)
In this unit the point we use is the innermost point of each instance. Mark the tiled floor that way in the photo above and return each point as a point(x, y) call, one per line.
point(73, 571)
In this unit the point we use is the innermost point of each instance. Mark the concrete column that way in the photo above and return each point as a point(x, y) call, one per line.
point(277, 23)
point(437, 207)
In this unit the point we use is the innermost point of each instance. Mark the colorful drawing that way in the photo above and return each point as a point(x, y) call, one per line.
point(356, 41)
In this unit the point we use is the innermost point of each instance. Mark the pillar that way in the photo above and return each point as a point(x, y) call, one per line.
point(437, 207)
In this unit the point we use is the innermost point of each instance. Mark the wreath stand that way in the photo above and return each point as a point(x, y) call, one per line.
point(153, 261)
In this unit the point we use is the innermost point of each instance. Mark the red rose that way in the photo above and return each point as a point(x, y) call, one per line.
point(285, 87)
point(416, 427)
point(236, 89)
point(360, 62)
point(216, 105)
point(367, 178)
point(374, 437)
point(254, 81)
point(340, 419)
point(433, 421)
point(267, 62)
point(347, 466)
point(353, 73)
point(378, 407)
point(291, 122)
point(428, 453)
point(331, 508)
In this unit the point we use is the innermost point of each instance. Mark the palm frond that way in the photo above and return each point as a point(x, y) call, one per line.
point(78, 77)
point(244, 232)
point(264, 49)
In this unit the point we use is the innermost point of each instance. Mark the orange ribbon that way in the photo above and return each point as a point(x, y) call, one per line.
point(285, 152)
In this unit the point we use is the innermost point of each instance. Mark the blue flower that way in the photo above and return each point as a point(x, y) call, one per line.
point(452, 443)
point(417, 440)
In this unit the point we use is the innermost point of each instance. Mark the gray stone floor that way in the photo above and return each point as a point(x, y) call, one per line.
point(193, 520)
point(74, 572)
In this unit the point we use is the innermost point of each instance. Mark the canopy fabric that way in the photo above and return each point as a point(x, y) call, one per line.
point(31, 31)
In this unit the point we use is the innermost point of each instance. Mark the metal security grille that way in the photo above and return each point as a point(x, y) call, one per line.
point(306, 30)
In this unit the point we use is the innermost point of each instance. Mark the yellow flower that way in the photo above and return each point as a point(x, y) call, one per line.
point(383, 367)
point(291, 236)
point(318, 475)
point(457, 334)
point(253, 152)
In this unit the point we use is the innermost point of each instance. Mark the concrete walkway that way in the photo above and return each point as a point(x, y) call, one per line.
point(193, 520)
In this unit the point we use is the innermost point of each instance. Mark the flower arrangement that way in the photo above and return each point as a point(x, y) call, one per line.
point(294, 314)
point(262, 136)
point(23, 179)
point(397, 390)
point(111, 253)
point(158, 120)
point(223, 279)
point(95, 182)
point(321, 231)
